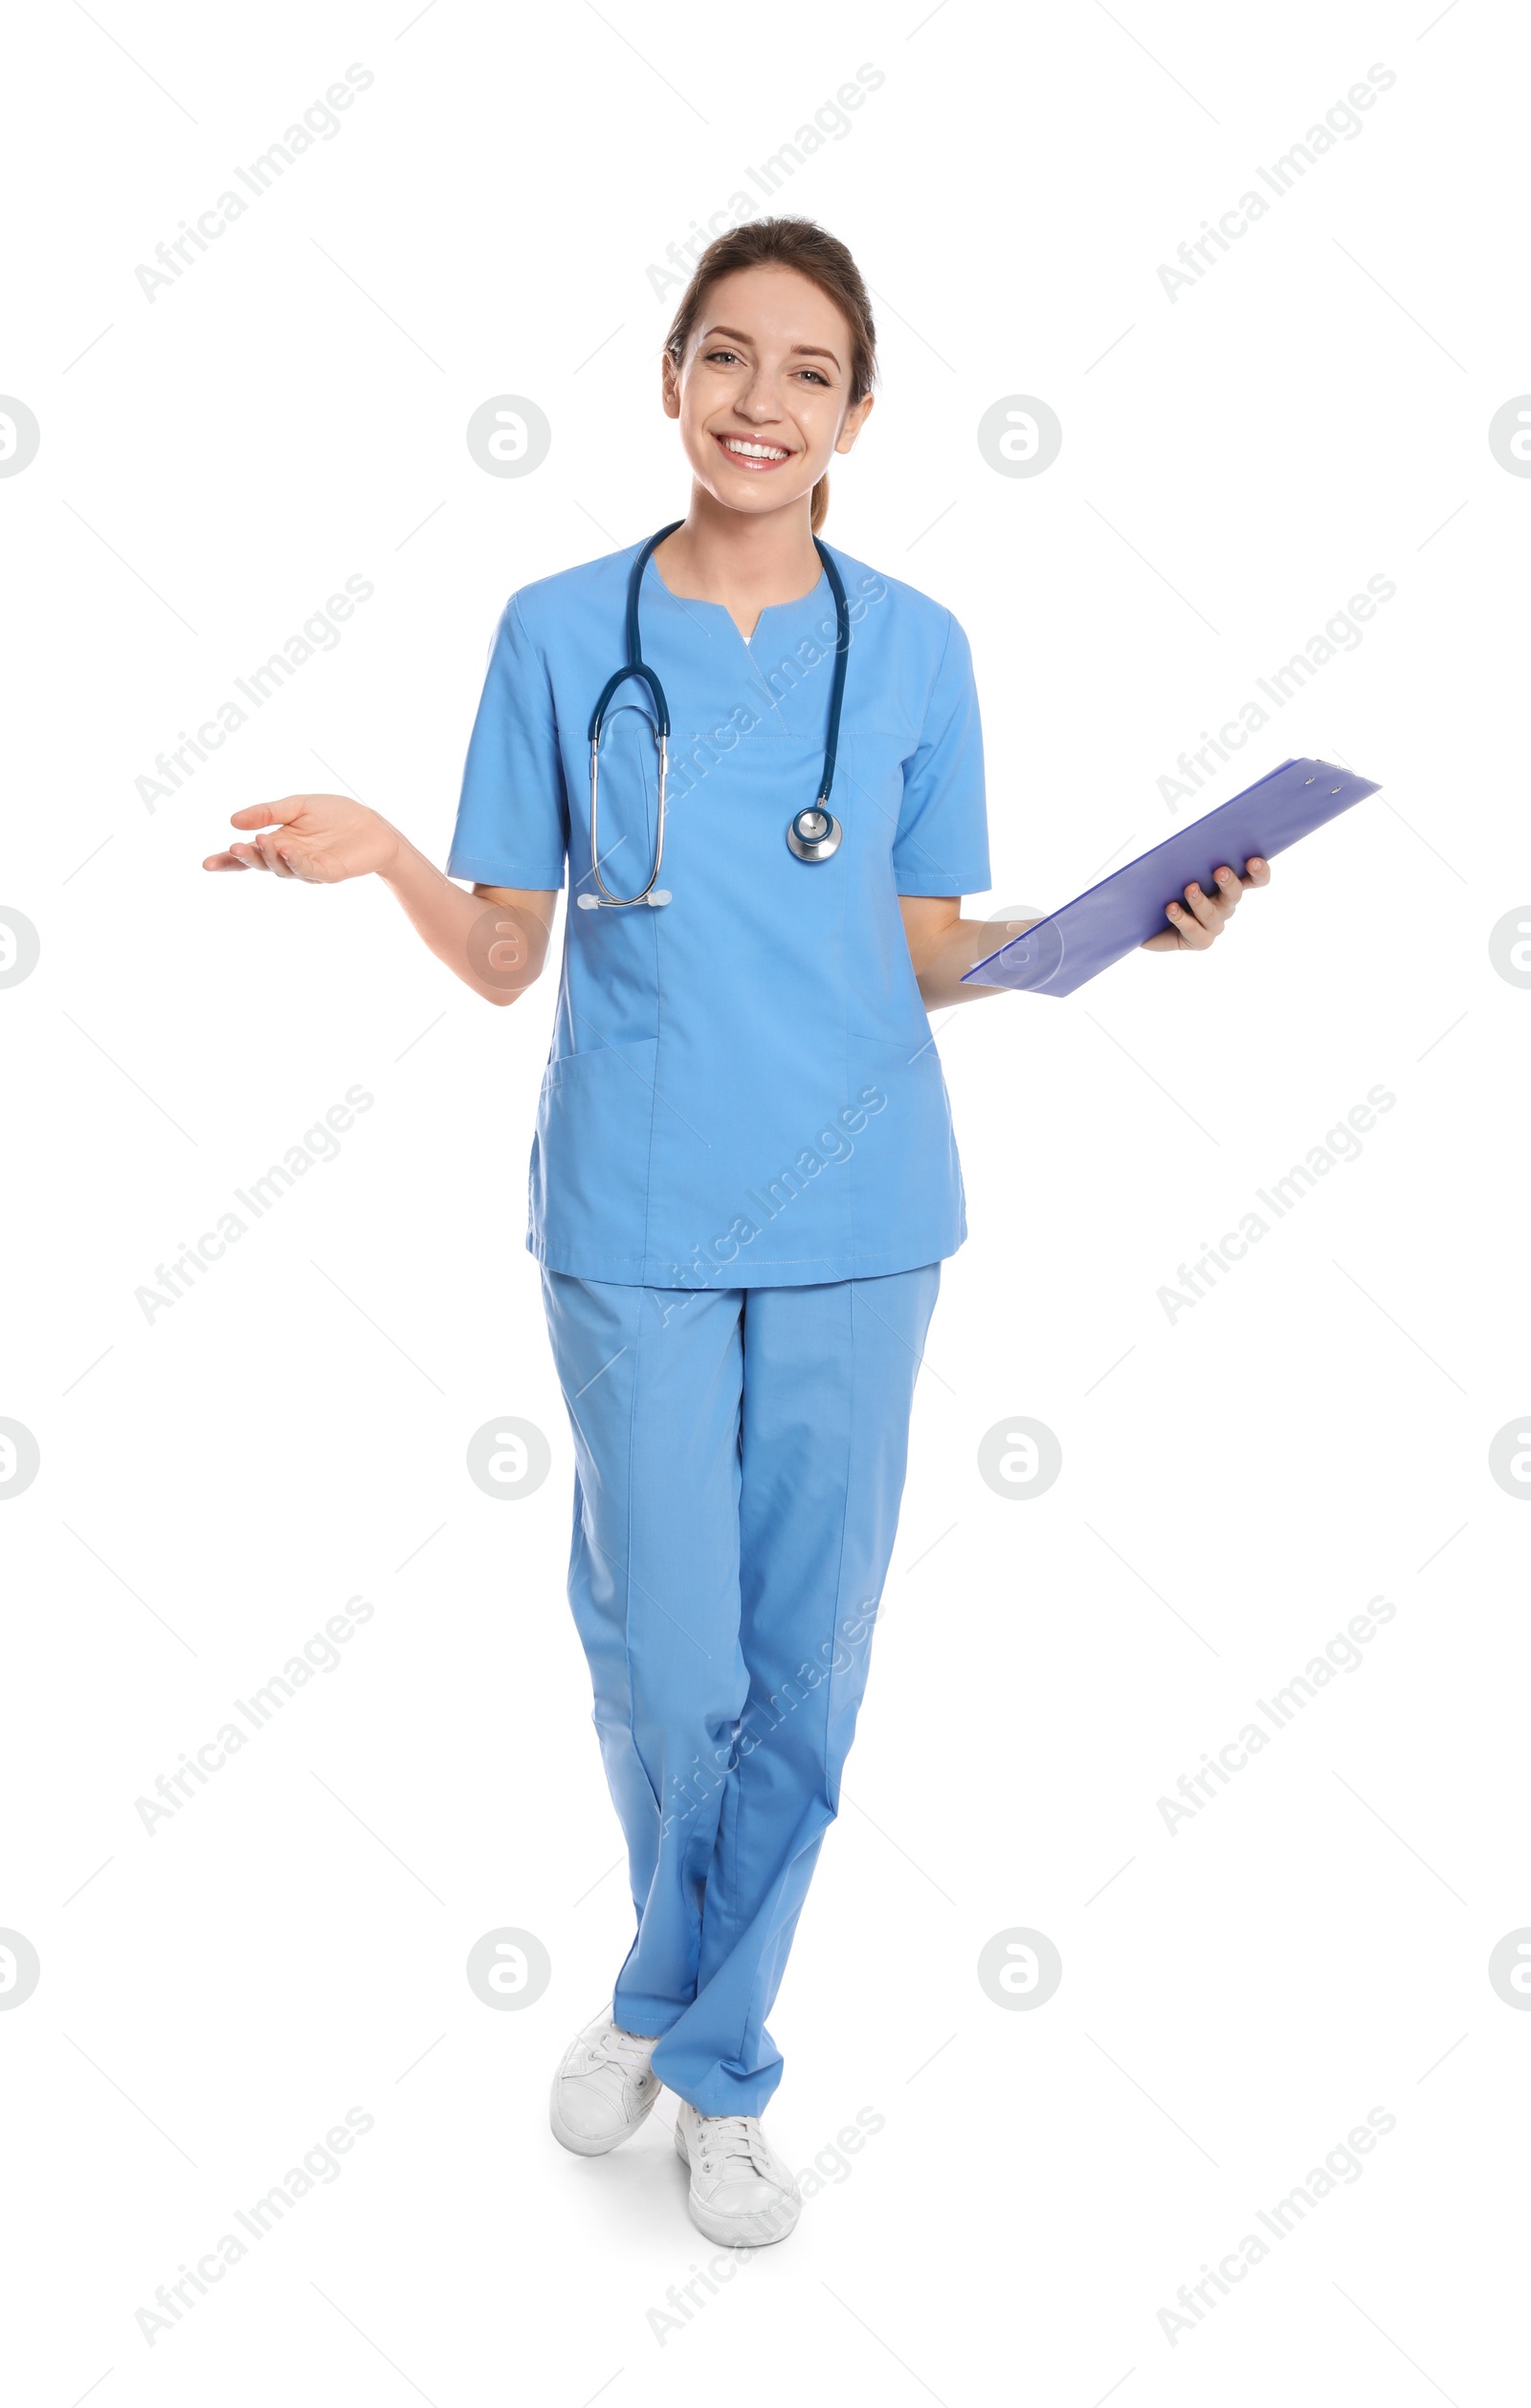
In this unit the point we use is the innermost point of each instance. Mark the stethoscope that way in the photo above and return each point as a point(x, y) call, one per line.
point(813, 834)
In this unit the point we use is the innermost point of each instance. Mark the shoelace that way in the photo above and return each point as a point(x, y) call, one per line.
point(623, 2049)
point(730, 2136)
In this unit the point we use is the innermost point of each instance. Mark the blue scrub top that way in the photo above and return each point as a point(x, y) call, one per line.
point(743, 1088)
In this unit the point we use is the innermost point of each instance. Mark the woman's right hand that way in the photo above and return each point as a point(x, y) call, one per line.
point(322, 838)
point(494, 938)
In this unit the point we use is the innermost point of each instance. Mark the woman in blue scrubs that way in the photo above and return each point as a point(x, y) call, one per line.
point(743, 1180)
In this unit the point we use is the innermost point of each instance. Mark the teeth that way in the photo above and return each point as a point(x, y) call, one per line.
point(754, 450)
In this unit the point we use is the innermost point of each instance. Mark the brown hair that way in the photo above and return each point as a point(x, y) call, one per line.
point(787, 242)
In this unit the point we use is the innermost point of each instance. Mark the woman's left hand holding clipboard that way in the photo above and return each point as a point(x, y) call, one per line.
point(1200, 917)
point(943, 944)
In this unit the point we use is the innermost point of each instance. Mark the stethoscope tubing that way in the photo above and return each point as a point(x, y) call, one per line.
point(813, 834)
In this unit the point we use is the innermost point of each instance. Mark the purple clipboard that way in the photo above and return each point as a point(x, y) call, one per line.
point(1059, 953)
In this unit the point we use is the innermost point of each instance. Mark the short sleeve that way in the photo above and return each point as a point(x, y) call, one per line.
point(512, 814)
point(941, 845)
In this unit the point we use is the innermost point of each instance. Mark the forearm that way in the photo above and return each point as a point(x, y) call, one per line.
point(940, 955)
point(494, 939)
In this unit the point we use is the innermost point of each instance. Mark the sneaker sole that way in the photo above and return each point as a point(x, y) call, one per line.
point(581, 2143)
point(755, 2231)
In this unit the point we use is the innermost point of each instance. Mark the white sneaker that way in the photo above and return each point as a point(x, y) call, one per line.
point(742, 2195)
point(602, 2089)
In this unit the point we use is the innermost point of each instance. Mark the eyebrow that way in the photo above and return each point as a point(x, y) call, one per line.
point(807, 350)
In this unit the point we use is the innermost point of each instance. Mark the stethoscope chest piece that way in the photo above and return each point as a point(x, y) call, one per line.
point(814, 833)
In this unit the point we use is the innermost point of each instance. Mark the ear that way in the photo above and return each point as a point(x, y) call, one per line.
point(855, 418)
point(669, 386)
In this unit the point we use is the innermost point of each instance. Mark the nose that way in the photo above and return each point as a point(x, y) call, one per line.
point(760, 400)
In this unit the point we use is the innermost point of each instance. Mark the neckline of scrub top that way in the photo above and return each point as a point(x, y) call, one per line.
point(697, 602)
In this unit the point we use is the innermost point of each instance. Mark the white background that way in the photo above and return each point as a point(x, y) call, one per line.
point(1237, 1482)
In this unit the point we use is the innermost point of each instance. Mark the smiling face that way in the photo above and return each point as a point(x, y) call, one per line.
point(764, 392)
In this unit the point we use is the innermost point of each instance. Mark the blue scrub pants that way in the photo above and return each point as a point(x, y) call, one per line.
point(740, 1459)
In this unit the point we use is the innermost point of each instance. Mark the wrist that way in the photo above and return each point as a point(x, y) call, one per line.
point(396, 852)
